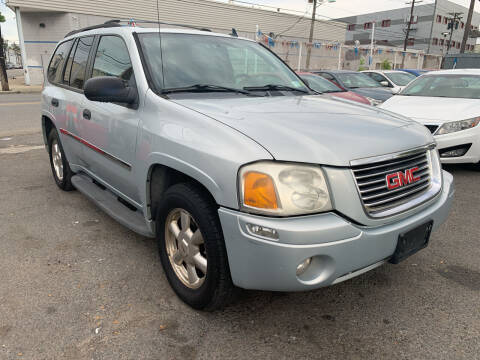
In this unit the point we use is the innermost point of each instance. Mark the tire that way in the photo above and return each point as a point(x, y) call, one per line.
point(62, 174)
point(214, 288)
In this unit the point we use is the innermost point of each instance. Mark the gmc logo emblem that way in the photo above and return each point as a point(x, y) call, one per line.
point(399, 179)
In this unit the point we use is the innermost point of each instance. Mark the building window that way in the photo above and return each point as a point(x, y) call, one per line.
point(386, 23)
point(414, 19)
point(453, 44)
point(445, 20)
point(367, 25)
point(463, 25)
point(458, 45)
point(439, 18)
point(434, 41)
point(351, 27)
point(411, 42)
point(442, 42)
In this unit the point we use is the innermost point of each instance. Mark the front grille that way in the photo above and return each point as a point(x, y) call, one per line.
point(432, 128)
point(371, 181)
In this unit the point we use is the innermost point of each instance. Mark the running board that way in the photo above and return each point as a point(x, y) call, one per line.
point(108, 202)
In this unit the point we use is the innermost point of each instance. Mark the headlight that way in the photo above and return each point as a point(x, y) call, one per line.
point(455, 126)
point(374, 102)
point(283, 189)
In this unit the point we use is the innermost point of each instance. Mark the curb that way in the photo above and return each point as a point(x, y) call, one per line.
point(21, 92)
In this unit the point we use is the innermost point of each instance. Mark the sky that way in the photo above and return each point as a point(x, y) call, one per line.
point(340, 8)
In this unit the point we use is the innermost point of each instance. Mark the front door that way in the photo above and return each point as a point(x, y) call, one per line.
point(111, 129)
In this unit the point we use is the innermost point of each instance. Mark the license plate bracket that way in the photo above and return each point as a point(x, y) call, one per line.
point(411, 242)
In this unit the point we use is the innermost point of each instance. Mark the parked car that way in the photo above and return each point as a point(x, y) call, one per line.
point(220, 151)
point(447, 102)
point(358, 83)
point(415, 72)
point(393, 79)
point(322, 85)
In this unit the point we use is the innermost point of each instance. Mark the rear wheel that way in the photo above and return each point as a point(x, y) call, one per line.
point(192, 248)
point(61, 171)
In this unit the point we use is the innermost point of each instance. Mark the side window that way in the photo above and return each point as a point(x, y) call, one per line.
point(377, 77)
point(68, 68)
point(327, 76)
point(112, 59)
point(58, 61)
point(79, 65)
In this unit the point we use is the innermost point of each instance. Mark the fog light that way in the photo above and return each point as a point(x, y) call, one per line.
point(455, 151)
point(302, 267)
point(262, 231)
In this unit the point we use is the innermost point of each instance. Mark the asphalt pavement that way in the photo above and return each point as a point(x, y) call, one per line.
point(74, 284)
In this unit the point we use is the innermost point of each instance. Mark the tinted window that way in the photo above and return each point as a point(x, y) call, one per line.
point(400, 78)
point(449, 86)
point(377, 77)
point(357, 80)
point(79, 65)
point(320, 84)
point(58, 60)
point(198, 59)
point(68, 68)
point(112, 59)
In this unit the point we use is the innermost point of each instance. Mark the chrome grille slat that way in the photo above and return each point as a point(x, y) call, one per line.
point(424, 173)
point(398, 196)
point(392, 163)
point(389, 171)
point(371, 180)
point(368, 198)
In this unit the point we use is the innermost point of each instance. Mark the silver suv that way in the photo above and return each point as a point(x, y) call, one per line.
point(246, 178)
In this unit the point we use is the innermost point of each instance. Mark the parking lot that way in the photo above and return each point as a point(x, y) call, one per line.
point(77, 285)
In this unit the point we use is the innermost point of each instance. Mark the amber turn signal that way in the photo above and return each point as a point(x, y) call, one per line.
point(259, 191)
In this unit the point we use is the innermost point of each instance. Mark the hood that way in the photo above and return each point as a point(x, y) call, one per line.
point(375, 93)
point(429, 110)
point(312, 129)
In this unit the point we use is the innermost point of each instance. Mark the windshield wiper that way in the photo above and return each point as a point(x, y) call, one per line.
point(331, 91)
point(270, 87)
point(204, 88)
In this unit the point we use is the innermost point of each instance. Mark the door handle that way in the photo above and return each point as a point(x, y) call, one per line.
point(87, 115)
point(55, 102)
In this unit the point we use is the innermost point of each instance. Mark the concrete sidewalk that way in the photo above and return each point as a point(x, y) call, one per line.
point(23, 89)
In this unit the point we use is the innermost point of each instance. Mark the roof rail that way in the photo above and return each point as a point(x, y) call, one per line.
point(118, 23)
point(108, 24)
point(135, 21)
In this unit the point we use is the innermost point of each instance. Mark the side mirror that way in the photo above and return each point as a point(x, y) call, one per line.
point(395, 91)
point(109, 89)
point(384, 83)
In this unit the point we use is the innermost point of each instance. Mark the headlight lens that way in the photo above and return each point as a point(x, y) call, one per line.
point(283, 189)
point(374, 102)
point(455, 126)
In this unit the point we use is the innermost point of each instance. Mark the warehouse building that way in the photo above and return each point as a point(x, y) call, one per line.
point(429, 32)
point(42, 23)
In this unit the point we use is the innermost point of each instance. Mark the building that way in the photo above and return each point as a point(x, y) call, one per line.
point(429, 31)
point(41, 24)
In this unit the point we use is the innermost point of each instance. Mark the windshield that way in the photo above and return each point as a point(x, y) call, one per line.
point(320, 84)
point(451, 86)
point(400, 78)
point(190, 60)
point(357, 80)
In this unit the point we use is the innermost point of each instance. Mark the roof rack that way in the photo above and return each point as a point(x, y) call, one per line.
point(108, 24)
point(118, 23)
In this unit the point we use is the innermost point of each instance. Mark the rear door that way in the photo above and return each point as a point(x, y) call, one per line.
point(111, 129)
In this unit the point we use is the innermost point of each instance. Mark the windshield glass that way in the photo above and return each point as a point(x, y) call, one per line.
point(451, 86)
point(320, 84)
point(190, 59)
point(400, 78)
point(357, 80)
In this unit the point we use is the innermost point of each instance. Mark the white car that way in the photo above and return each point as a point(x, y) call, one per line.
point(448, 104)
point(393, 79)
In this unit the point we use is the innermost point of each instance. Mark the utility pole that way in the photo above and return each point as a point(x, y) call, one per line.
point(372, 43)
point(3, 67)
point(431, 29)
point(467, 27)
point(407, 35)
point(456, 17)
point(310, 39)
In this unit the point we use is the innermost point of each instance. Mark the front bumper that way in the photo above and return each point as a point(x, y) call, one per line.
point(340, 249)
point(471, 136)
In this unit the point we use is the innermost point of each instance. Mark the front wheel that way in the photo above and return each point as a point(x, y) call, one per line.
point(192, 248)
point(61, 171)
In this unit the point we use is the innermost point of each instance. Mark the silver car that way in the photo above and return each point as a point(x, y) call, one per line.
point(214, 146)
